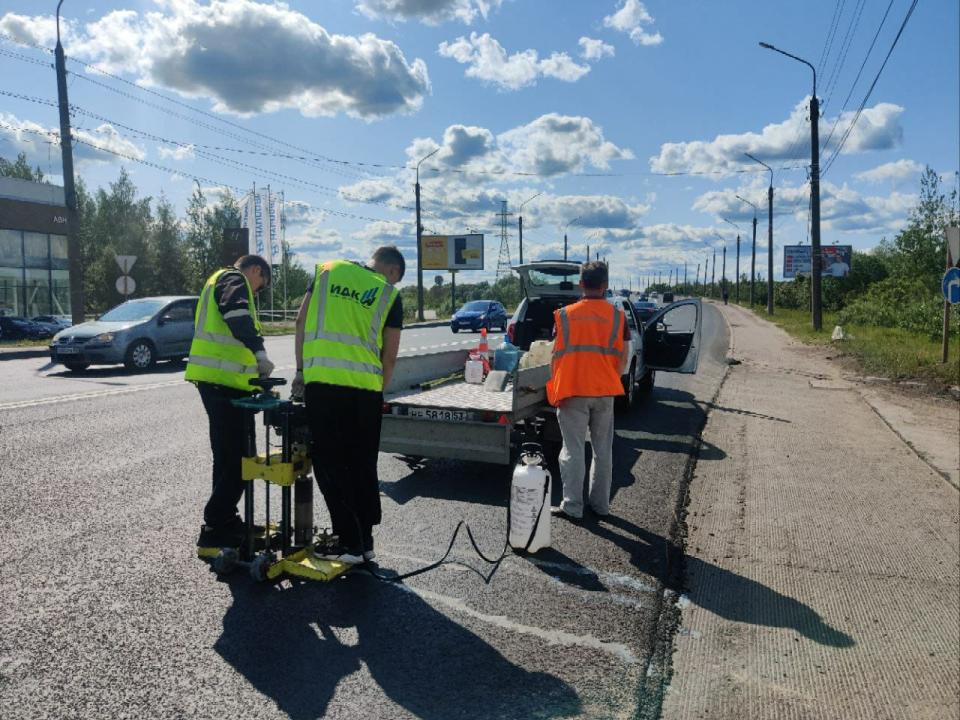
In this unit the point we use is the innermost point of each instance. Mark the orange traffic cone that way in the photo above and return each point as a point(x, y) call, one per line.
point(484, 348)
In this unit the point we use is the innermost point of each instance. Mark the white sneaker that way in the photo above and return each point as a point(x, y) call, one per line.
point(339, 553)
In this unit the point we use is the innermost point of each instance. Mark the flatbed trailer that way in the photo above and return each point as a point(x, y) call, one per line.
point(430, 411)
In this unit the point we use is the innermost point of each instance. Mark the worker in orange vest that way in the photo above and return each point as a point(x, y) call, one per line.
point(589, 356)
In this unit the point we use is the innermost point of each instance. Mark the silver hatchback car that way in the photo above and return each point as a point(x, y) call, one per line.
point(136, 333)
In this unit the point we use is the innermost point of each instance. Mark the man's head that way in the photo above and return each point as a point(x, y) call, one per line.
point(593, 279)
point(388, 261)
point(256, 270)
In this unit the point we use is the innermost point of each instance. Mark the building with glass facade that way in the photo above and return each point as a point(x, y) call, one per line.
point(34, 272)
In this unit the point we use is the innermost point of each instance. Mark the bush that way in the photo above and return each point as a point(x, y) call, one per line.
point(898, 302)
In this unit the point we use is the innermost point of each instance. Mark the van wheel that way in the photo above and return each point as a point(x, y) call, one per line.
point(140, 355)
point(625, 402)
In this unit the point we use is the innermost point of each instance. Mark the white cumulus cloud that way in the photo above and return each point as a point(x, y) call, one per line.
point(632, 18)
point(878, 128)
point(593, 49)
point(429, 12)
point(246, 57)
point(487, 60)
point(101, 145)
point(896, 171)
point(181, 152)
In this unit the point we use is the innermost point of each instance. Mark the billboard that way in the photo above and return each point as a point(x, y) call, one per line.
point(834, 260)
point(452, 252)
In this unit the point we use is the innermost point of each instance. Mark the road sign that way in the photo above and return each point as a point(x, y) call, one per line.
point(126, 285)
point(126, 263)
point(953, 242)
point(951, 285)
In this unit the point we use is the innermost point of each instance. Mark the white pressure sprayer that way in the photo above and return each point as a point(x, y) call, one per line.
point(530, 501)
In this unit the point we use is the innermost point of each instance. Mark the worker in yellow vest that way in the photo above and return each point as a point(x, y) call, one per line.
point(226, 354)
point(348, 336)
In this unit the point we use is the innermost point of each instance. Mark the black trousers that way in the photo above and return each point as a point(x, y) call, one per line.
point(229, 429)
point(345, 425)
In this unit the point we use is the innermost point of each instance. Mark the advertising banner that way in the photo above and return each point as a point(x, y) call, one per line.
point(261, 212)
point(452, 252)
point(834, 260)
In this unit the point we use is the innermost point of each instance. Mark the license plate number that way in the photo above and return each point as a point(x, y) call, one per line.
point(437, 414)
point(67, 351)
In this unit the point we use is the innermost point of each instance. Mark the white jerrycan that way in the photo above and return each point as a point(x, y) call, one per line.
point(530, 501)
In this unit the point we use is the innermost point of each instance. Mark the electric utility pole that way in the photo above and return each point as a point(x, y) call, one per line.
point(696, 280)
point(713, 274)
point(69, 189)
point(420, 242)
point(769, 235)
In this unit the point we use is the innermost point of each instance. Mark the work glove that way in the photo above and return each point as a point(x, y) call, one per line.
point(264, 366)
point(297, 387)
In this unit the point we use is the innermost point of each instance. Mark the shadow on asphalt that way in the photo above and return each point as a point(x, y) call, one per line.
point(296, 644)
point(101, 373)
point(718, 590)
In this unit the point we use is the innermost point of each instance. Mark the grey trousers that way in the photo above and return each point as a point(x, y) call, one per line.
point(576, 415)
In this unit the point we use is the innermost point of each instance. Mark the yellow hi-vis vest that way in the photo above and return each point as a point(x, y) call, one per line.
point(216, 356)
point(343, 332)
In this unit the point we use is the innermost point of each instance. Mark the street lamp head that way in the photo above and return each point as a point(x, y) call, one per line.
point(767, 46)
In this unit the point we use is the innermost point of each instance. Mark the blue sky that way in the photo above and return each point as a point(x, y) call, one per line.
point(631, 116)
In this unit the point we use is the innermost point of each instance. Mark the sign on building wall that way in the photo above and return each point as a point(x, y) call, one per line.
point(452, 252)
point(834, 260)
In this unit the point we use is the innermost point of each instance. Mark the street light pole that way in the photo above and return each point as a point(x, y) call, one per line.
point(769, 235)
point(737, 283)
point(420, 242)
point(520, 222)
point(753, 255)
point(74, 259)
point(816, 269)
point(565, 235)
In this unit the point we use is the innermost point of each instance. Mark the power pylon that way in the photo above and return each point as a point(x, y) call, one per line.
point(503, 259)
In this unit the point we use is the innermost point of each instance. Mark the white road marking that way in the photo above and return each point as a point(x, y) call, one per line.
point(19, 404)
point(551, 637)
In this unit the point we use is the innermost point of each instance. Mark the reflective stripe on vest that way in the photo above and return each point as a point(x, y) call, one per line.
point(216, 356)
point(609, 349)
point(349, 353)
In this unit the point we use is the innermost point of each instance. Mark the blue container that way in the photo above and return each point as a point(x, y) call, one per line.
point(507, 357)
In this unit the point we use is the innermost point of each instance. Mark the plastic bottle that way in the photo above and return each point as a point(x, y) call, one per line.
point(506, 357)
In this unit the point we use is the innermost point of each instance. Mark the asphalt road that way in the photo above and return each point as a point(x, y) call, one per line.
point(108, 613)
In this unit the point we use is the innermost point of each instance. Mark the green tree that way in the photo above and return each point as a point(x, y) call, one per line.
point(918, 251)
point(20, 169)
point(171, 274)
point(204, 233)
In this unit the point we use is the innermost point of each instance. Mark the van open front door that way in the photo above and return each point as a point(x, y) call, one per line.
point(671, 338)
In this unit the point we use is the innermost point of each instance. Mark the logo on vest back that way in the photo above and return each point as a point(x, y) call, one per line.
point(366, 298)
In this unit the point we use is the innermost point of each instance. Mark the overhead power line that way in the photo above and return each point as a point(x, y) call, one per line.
point(853, 86)
point(866, 97)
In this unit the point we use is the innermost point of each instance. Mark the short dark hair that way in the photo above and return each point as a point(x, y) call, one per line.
point(390, 255)
point(248, 261)
point(594, 275)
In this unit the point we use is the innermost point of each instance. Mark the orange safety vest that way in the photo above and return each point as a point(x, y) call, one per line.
point(586, 351)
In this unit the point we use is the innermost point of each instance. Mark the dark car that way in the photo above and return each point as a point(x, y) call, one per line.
point(52, 323)
point(644, 310)
point(667, 298)
point(478, 314)
point(19, 328)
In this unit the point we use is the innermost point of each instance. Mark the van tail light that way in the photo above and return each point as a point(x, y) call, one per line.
point(510, 329)
point(387, 408)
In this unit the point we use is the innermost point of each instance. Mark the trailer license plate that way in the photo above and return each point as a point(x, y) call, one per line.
point(436, 414)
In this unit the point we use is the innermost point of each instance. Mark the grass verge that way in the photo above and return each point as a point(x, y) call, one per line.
point(886, 352)
point(13, 344)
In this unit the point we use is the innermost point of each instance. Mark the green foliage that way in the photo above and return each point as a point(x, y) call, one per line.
point(438, 297)
point(898, 302)
point(20, 169)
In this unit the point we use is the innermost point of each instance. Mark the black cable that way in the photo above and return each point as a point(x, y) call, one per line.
point(844, 50)
point(846, 100)
point(866, 97)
